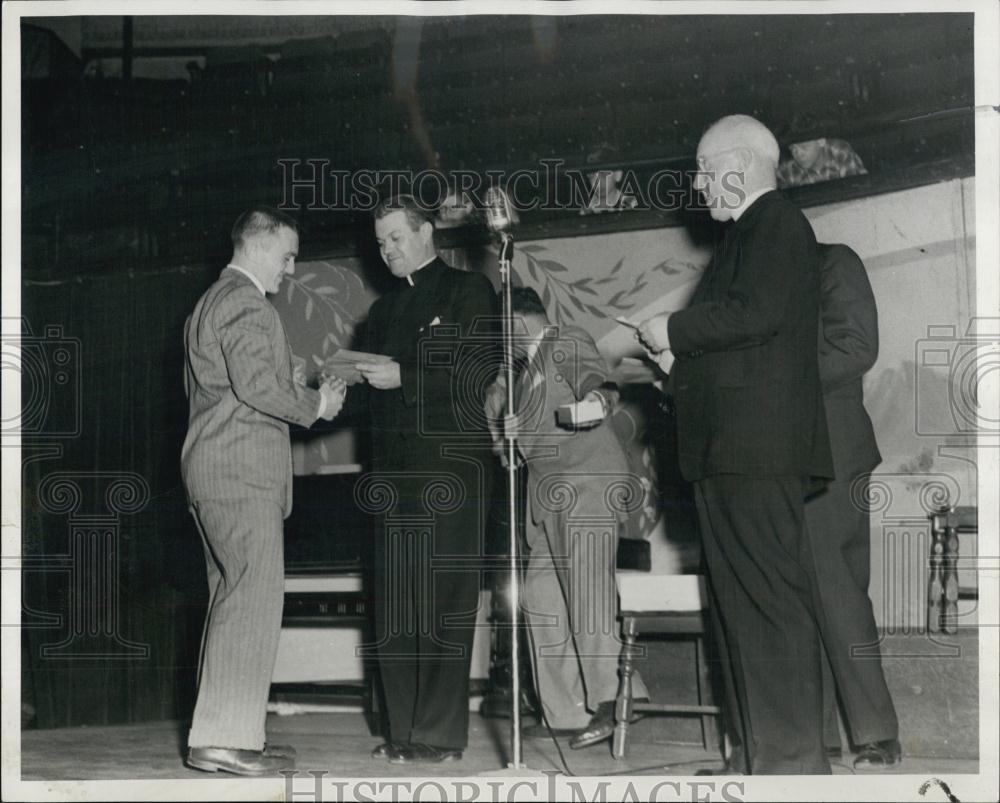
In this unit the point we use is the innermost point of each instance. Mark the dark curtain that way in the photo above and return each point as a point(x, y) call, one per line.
point(114, 580)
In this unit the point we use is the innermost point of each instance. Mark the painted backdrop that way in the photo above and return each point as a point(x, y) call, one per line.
point(919, 248)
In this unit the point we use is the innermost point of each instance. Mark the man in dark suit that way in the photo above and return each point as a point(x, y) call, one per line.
point(751, 433)
point(579, 493)
point(236, 464)
point(431, 450)
point(837, 519)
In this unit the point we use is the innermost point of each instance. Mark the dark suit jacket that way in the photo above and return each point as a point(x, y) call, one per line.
point(746, 382)
point(239, 384)
point(848, 347)
point(565, 369)
point(442, 331)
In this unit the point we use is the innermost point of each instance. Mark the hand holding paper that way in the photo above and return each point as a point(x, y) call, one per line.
point(664, 359)
point(344, 364)
point(333, 392)
point(583, 414)
point(381, 375)
point(653, 332)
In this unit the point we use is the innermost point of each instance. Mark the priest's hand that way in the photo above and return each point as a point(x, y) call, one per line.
point(381, 375)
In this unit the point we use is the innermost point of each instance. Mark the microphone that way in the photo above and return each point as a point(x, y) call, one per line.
point(499, 215)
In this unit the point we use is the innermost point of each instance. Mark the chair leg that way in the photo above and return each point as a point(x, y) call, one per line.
point(935, 583)
point(709, 723)
point(623, 704)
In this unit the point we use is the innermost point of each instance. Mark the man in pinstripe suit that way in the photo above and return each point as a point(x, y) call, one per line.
point(237, 469)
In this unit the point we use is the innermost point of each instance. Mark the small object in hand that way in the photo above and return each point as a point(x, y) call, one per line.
point(628, 323)
point(343, 363)
point(582, 414)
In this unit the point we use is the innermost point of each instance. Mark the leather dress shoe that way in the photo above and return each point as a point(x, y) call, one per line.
point(281, 750)
point(878, 755)
point(601, 725)
point(416, 753)
point(539, 731)
point(252, 763)
point(728, 769)
point(384, 750)
point(834, 752)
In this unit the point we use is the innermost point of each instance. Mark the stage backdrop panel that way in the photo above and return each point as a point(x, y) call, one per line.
point(322, 306)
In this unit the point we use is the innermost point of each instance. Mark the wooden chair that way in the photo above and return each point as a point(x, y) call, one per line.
point(669, 604)
point(943, 589)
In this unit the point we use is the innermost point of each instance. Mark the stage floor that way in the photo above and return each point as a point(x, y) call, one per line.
point(339, 743)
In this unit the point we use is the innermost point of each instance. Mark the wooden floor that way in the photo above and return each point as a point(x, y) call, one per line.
point(340, 744)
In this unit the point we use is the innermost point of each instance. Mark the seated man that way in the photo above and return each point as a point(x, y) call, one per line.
point(570, 596)
point(817, 160)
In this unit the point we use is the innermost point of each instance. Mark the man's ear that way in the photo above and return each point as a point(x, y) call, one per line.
point(746, 157)
point(427, 231)
point(254, 248)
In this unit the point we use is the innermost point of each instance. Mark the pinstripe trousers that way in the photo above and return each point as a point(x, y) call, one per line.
point(243, 540)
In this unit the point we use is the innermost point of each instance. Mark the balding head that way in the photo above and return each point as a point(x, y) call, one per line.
point(737, 156)
point(741, 131)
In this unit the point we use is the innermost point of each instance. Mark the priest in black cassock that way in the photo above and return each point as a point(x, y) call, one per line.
point(431, 475)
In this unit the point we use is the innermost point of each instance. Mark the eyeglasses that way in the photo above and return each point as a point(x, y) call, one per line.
point(704, 161)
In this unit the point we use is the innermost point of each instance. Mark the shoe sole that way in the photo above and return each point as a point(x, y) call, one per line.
point(873, 766)
point(451, 757)
point(579, 745)
point(212, 766)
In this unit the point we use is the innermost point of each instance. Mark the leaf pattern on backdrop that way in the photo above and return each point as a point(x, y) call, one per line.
point(570, 299)
point(579, 295)
point(339, 304)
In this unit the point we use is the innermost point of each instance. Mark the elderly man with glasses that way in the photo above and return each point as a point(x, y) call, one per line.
point(752, 434)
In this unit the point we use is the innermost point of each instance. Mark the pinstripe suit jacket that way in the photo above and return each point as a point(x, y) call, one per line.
point(566, 367)
point(238, 379)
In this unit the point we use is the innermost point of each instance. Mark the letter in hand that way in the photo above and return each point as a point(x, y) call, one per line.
point(664, 359)
point(334, 390)
point(382, 376)
point(652, 332)
point(592, 399)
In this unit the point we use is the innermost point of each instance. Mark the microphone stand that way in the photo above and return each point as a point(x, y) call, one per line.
point(506, 251)
point(516, 765)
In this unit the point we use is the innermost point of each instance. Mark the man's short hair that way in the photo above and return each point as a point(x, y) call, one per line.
point(416, 214)
point(525, 301)
point(260, 220)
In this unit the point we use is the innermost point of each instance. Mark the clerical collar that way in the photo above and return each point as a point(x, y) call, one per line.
point(250, 276)
point(409, 276)
point(748, 202)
